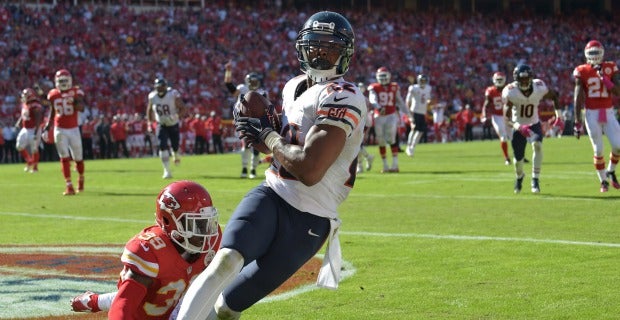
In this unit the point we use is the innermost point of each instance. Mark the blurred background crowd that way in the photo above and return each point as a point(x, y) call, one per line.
point(115, 51)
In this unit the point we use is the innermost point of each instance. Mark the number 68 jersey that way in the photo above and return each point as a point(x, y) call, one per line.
point(524, 108)
point(165, 108)
point(151, 253)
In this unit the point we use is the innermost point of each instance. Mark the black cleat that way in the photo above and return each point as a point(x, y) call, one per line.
point(535, 185)
point(518, 184)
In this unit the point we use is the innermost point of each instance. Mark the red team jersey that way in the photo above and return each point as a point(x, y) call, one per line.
point(136, 127)
point(28, 110)
point(596, 94)
point(65, 115)
point(151, 253)
point(495, 95)
point(386, 96)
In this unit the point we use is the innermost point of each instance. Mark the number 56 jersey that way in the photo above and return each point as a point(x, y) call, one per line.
point(151, 253)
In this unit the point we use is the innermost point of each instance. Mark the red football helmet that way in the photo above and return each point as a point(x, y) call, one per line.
point(499, 79)
point(29, 95)
point(63, 80)
point(185, 212)
point(383, 76)
point(594, 52)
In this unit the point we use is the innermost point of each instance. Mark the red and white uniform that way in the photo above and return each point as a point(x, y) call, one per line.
point(136, 130)
point(599, 112)
point(66, 131)
point(494, 95)
point(151, 253)
point(387, 101)
point(27, 137)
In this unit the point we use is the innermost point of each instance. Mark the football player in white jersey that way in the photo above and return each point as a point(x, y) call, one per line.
point(282, 223)
point(166, 107)
point(521, 99)
point(417, 100)
point(252, 82)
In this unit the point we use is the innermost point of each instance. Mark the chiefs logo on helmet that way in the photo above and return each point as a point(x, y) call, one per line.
point(168, 202)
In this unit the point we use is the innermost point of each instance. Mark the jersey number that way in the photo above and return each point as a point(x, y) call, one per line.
point(595, 89)
point(162, 109)
point(173, 289)
point(386, 98)
point(526, 111)
point(64, 106)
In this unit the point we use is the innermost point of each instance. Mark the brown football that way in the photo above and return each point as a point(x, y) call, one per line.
point(253, 105)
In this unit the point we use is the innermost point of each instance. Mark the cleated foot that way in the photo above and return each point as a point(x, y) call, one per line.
point(518, 185)
point(535, 185)
point(604, 186)
point(369, 161)
point(69, 191)
point(614, 181)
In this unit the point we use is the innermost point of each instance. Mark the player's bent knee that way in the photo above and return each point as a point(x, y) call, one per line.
point(230, 259)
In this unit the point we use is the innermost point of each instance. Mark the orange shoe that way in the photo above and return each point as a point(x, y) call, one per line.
point(69, 191)
point(80, 184)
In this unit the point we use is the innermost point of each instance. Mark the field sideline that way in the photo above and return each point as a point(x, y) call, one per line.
point(445, 238)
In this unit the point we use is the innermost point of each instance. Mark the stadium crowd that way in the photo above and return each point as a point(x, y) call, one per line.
point(115, 52)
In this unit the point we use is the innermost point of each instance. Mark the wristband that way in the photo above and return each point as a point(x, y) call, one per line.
point(272, 139)
point(227, 74)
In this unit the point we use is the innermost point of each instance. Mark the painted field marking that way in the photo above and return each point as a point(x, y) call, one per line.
point(354, 233)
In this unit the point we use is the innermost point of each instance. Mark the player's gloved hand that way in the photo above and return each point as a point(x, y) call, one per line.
point(607, 82)
point(578, 129)
point(524, 129)
point(253, 130)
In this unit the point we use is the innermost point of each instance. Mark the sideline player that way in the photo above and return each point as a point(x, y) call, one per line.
point(160, 261)
point(417, 100)
point(66, 102)
point(282, 223)
point(166, 107)
point(595, 81)
point(521, 99)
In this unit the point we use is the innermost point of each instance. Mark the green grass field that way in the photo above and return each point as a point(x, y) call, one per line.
point(445, 238)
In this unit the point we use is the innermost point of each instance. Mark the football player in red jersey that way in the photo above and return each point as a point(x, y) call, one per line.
point(595, 81)
point(66, 101)
point(29, 136)
point(161, 260)
point(493, 109)
point(386, 99)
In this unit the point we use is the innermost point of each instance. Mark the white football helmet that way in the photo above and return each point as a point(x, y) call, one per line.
point(63, 80)
point(383, 76)
point(594, 52)
point(499, 79)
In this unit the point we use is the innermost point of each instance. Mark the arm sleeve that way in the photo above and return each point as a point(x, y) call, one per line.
point(128, 300)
